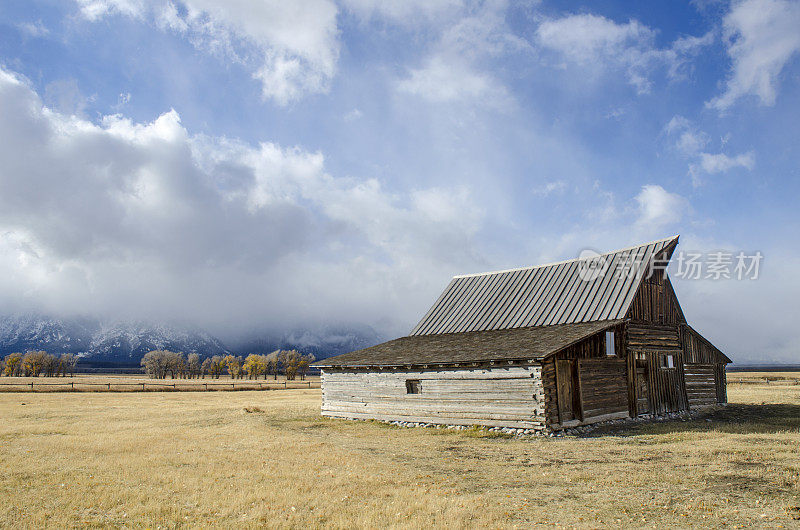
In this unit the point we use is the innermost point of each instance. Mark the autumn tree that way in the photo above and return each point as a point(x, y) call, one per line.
point(176, 363)
point(68, 363)
point(13, 364)
point(155, 364)
point(33, 362)
point(216, 365)
point(304, 363)
point(233, 365)
point(290, 360)
point(193, 365)
point(254, 365)
point(50, 365)
point(272, 363)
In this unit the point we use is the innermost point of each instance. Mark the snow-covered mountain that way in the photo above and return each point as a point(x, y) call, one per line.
point(124, 343)
point(131, 340)
point(31, 331)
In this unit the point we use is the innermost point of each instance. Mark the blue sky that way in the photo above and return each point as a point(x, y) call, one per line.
point(268, 163)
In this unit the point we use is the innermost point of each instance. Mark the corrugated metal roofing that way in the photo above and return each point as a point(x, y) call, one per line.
point(558, 293)
point(483, 346)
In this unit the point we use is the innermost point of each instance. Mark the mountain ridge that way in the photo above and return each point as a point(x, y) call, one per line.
point(123, 343)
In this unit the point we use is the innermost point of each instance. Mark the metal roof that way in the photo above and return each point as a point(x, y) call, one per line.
point(558, 293)
point(485, 346)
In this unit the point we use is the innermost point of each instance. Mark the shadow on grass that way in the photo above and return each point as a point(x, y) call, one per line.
point(734, 419)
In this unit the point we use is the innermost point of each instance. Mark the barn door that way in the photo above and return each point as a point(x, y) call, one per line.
point(641, 382)
point(666, 381)
point(567, 391)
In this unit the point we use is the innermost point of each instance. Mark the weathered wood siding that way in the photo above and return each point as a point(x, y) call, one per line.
point(701, 386)
point(582, 384)
point(698, 350)
point(497, 396)
point(707, 364)
point(666, 389)
point(603, 388)
point(666, 385)
point(656, 302)
point(550, 391)
point(653, 337)
point(721, 382)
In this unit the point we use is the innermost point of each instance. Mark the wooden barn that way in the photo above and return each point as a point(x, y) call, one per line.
point(541, 348)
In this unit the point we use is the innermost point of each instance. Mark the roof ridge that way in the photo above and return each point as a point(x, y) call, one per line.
point(531, 267)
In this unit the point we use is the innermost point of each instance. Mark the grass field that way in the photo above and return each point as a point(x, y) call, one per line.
point(781, 378)
point(248, 459)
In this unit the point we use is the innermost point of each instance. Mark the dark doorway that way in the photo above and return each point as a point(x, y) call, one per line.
point(642, 384)
point(567, 385)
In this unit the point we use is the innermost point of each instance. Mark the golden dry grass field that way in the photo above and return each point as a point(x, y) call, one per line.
point(253, 459)
point(782, 378)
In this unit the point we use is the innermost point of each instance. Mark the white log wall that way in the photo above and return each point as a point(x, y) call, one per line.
point(503, 397)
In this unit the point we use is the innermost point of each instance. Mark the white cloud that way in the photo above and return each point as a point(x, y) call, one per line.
point(583, 38)
point(690, 140)
point(596, 42)
point(659, 208)
point(677, 123)
point(720, 162)
point(762, 37)
point(97, 9)
point(292, 47)
point(691, 144)
point(149, 220)
point(65, 96)
point(714, 306)
point(33, 29)
point(549, 188)
point(458, 67)
point(443, 80)
point(353, 115)
point(404, 12)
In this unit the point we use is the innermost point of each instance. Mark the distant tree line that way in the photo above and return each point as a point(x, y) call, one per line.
point(159, 364)
point(36, 363)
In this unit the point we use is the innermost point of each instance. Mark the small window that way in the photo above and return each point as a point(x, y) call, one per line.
point(668, 361)
point(610, 346)
point(412, 386)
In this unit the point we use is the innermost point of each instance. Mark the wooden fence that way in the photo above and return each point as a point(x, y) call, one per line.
point(80, 386)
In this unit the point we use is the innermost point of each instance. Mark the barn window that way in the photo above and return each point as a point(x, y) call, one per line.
point(412, 386)
point(610, 349)
point(668, 361)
